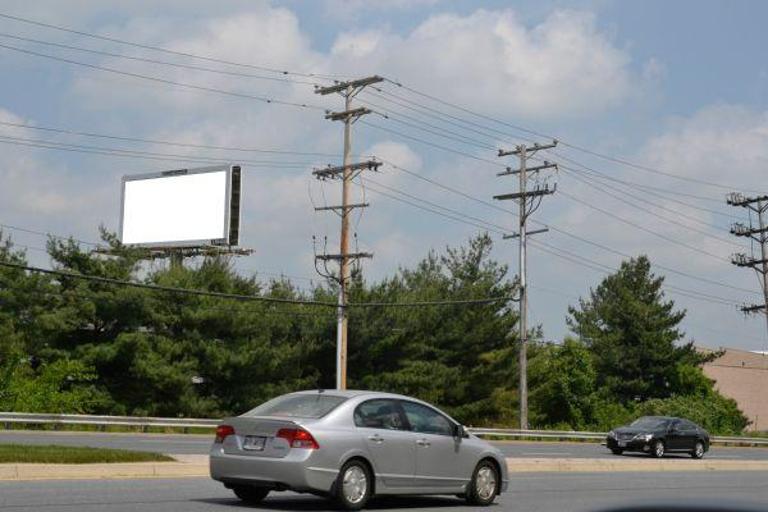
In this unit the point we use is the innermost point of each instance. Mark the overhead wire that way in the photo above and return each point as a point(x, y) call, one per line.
point(618, 160)
point(264, 99)
point(155, 61)
point(169, 51)
point(67, 131)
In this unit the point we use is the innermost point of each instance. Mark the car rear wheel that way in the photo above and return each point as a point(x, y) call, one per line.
point(698, 450)
point(484, 484)
point(250, 495)
point(353, 488)
point(657, 449)
point(617, 451)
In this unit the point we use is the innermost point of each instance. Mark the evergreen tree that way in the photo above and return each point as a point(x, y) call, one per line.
point(632, 333)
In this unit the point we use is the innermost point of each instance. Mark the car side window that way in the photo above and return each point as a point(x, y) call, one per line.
point(686, 425)
point(379, 413)
point(427, 420)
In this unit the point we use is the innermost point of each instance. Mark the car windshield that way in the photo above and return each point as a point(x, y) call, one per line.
point(298, 406)
point(650, 423)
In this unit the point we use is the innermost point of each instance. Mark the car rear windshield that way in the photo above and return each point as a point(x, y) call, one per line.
point(298, 406)
point(652, 423)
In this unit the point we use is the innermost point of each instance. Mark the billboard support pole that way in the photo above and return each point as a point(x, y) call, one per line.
point(347, 172)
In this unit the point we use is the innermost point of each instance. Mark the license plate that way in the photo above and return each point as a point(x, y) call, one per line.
point(254, 443)
point(622, 444)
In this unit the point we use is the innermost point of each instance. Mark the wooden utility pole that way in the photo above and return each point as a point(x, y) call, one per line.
point(347, 173)
point(528, 202)
point(759, 234)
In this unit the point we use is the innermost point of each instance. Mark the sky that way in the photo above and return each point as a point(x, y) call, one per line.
point(673, 95)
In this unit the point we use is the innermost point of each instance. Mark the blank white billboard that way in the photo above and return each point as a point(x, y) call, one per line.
point(180, 208)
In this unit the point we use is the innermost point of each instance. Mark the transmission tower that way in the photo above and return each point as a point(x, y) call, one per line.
point(346, 173)
point(759, 235)
point(528, 202)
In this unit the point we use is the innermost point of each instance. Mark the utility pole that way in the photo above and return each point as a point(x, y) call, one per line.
point(347, 173)
point(529, 202)
point(759, 234)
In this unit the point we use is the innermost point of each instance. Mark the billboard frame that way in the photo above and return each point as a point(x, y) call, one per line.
point(232, 207)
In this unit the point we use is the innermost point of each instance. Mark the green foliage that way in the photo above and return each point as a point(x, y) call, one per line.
point(69, 345)
point(632, 333)
point(714, 412)
point(562, 380)
point(62, 386)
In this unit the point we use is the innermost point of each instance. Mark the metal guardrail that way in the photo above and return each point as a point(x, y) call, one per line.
point(143, 422)
point(103, 421)
point(571, 435)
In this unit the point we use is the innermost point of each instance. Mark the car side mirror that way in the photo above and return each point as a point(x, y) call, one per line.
point(459, 431)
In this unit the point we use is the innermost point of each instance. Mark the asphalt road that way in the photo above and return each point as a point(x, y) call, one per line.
point(196, 444)
point(529, 492)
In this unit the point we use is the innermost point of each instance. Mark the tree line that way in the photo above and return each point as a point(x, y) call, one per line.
point(76, 346)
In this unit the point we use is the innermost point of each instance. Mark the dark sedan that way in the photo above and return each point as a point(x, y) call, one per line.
point(657, 435)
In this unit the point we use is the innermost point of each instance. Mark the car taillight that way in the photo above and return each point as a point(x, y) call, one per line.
point(222, 432)
point(298, 438)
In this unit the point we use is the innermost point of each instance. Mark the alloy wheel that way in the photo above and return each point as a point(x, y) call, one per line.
point(485, 485)
point(355, 484)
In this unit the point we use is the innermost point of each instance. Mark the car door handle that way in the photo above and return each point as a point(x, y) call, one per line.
point(376, 438)
point(422, 442)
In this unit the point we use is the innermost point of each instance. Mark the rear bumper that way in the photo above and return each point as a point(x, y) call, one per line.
point(296, 471)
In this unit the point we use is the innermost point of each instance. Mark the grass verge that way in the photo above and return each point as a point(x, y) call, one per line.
point(24, 454)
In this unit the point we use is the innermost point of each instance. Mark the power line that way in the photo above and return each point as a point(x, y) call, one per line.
point(68, 131)
point(163, 50)
point(47, 234)
point(434, 145)
point(651, 212)
point(143, 155)
point(588, 151)
point(169, 289)
point(155, 61)
point(576, 237)
point(643, 228)
point(165, 81)
point(634, 184)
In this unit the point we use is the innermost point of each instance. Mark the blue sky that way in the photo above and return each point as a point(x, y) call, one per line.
point(680, 87)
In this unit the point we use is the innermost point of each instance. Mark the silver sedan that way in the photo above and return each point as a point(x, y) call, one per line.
point(351, 445)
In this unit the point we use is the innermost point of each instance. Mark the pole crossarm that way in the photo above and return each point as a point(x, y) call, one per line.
point(533, 193)
point(340, 257)
point(546, 165)
point(740, 229)
point(333, 172)
point(742, 260)
point(755, 308)
point(739, 199)
point(344, 86)
point(348, 114)
point(530, 150)
point(534, 232)
point(342, 207)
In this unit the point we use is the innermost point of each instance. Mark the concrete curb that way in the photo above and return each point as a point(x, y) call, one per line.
point(196, 466)
point(186, 467)
point(552, 465)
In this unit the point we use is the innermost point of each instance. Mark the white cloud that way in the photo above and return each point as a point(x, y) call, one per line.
point(396, 153)
point(562, 67)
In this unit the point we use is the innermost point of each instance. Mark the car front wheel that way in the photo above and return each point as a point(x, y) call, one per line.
point(698, 450)
point(353, 489)
point(250, 495)
point(657, 449)
point(484, 485)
